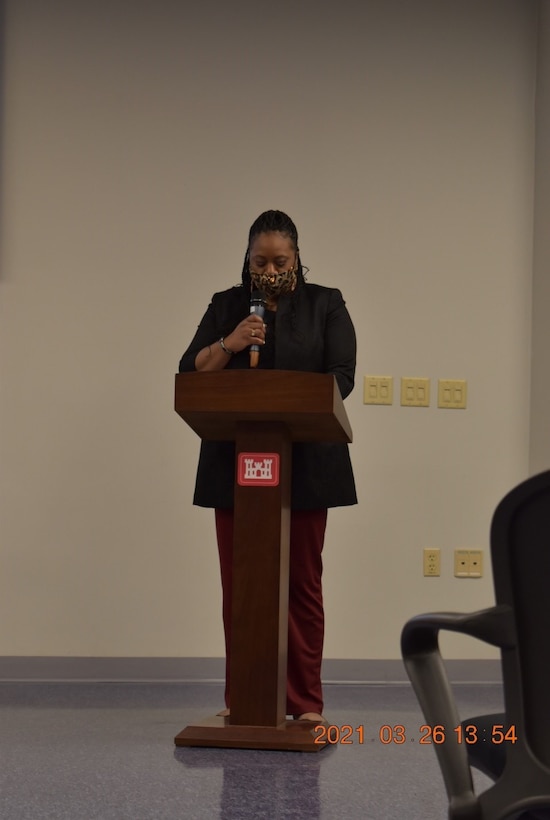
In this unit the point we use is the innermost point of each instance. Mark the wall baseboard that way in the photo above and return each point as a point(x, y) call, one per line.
point(202, 670)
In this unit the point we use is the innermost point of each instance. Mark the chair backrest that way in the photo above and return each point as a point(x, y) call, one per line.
point(520, 552)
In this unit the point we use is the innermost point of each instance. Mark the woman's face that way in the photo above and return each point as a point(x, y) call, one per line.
point(273, 263)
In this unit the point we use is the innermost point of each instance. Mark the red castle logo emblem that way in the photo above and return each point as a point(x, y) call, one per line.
point(258, 469)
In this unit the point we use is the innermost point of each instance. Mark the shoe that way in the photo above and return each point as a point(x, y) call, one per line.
point(223, 713)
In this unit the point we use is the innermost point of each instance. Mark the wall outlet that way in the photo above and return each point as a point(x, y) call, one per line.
point(432, 562)
point(468, 563)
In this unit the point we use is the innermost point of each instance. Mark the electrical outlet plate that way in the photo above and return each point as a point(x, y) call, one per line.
point(468, 563)
point(415, 392)
point(432, 562)
point(378, 390)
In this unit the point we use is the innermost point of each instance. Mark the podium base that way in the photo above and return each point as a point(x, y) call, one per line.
point(290, 736)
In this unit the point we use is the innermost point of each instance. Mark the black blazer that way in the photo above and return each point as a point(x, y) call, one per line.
point(313, 332)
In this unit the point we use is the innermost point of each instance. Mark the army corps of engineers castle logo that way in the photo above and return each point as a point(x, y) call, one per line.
point(258, 469)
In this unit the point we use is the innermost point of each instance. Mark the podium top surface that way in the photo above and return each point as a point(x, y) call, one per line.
point(212, 403)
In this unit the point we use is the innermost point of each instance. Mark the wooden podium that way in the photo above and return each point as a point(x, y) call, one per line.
point(263, 411)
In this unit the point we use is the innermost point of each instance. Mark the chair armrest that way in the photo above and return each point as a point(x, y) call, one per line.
point(424, 665)
point(494, 626)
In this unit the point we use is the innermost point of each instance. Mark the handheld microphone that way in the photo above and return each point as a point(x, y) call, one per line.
point(257, 306)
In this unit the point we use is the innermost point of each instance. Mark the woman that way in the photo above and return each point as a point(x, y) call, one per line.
point(305, 327)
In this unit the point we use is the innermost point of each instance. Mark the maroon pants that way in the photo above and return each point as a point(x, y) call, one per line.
point(306, 619)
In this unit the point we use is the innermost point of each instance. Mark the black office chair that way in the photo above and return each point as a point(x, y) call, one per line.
point(519, 625)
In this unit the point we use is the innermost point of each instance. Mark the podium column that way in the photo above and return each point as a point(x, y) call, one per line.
point(259, 632)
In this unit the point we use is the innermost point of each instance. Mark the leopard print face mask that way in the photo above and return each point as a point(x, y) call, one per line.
point(275, 284)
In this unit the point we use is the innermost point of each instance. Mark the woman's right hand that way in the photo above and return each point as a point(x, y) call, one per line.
point(248, 332)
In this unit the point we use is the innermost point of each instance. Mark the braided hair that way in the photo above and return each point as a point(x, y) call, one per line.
point(269, 222)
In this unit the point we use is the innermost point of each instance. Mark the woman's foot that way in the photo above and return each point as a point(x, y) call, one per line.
point(314, 717)
point(223, 713)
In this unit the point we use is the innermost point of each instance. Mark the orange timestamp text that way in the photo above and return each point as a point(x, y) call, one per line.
point(347, 734)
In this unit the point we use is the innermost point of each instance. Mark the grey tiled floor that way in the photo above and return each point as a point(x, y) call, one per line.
point(106, 752)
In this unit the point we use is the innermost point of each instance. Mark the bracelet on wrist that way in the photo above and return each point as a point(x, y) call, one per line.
point(224, 348)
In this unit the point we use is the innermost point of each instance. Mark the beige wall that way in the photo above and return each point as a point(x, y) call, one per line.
point(540, 395)
point(141, 139)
